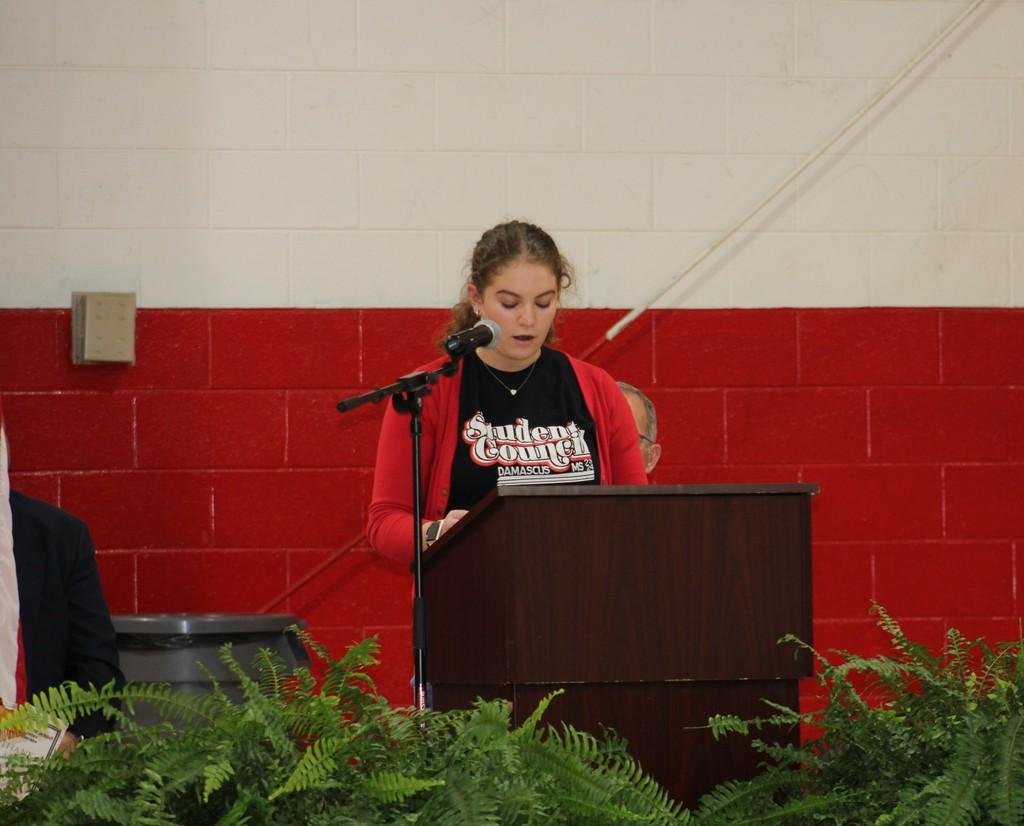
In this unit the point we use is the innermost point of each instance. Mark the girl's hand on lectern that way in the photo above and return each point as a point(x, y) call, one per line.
point(432, 531)
point(450, 519)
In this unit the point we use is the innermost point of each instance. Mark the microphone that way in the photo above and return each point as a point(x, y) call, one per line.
point(485, 333)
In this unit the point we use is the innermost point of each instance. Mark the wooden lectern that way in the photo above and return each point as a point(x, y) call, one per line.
point(654, 607)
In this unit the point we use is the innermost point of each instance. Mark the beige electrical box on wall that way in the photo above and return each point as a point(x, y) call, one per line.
point(102, 328)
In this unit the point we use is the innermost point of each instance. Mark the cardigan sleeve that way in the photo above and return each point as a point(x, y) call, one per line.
point(627, 464)
point(390, 522)
point(618, 439)
point(390, 518)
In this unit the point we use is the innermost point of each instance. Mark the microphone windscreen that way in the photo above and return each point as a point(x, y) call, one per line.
point(495, 332)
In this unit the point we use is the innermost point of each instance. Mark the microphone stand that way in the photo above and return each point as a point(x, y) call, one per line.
point(407, 397)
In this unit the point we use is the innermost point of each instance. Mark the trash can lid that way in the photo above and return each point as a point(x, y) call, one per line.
point(201, 623)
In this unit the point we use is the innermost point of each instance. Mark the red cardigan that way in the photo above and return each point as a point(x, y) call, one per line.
point(390, 518)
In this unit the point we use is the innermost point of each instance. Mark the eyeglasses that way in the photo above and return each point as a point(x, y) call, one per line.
point(646, 439)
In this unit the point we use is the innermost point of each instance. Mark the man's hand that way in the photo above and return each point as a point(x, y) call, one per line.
point(68, 744)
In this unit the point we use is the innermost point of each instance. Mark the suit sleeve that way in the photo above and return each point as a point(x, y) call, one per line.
point(92, 655)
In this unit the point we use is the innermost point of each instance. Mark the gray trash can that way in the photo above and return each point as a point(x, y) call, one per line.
point(169, 648)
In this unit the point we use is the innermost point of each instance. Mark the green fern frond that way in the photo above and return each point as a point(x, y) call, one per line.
point(459, 802)
point(390, 787)
point(802, 810)
point(315, 715)
point(215, 775)
point(272, 669)
point(913, 651)
point(723, 724)
point(149, 800)
point(530, 723)
point(175, 707)
point(62, 703)
point(488, 722)
point(593, 778)
point(1004, 663)
point(252, 689)
point(763, 799)
point(316, 763)
point(177, 761)
point(956, 649)
point(263, 710)
point(951, 800)
point(347, 676)
point(1007, 800)
point(237, 815)
point(69, 701)
point(101, 807)
point(641, 795)
point(576, 788)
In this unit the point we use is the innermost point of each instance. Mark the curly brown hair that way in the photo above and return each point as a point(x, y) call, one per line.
point(501, 245)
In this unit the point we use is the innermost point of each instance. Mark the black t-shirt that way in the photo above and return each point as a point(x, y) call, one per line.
point(541, 434)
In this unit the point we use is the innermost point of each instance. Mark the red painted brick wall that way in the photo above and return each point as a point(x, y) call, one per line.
point(216, 472)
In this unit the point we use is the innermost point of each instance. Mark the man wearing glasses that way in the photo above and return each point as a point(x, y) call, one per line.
point(646, 423)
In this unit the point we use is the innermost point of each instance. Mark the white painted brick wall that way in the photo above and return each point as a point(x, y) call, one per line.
point(833, 265)
point(324, 153)
point(509, 113)
point(944, 117)
point(631, 266)
point(582, 191)
point(42, 267)
point(1017, 285)
point(432, 190)
point(214, 268)
point(941, 270)
point(858, 194)
point(127, 33)
point(100, 190)
point(362, 111)
point(984, 194)
point(713, 192)
point(293, 190)
point(365, 269)
point(28, 197)
point(1017, 118)
point(578, 36)
point(318, 35)
point(432, 36)
point(867, 39)
point(724, 38)
point(675, 115)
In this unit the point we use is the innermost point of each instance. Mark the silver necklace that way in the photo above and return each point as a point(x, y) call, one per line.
point(512, 390)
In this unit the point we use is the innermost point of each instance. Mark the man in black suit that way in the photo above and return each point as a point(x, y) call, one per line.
point(66, 629)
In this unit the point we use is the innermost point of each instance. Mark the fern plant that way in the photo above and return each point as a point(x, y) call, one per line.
point(295, 750)
point(911, 738)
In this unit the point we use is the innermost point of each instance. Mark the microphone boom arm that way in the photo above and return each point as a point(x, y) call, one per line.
point(407, 394)
point(413, 383)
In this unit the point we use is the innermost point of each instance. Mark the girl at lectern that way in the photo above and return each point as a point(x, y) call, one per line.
point(516, 412)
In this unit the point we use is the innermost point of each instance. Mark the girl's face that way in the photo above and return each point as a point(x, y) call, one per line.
point(522, 298)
